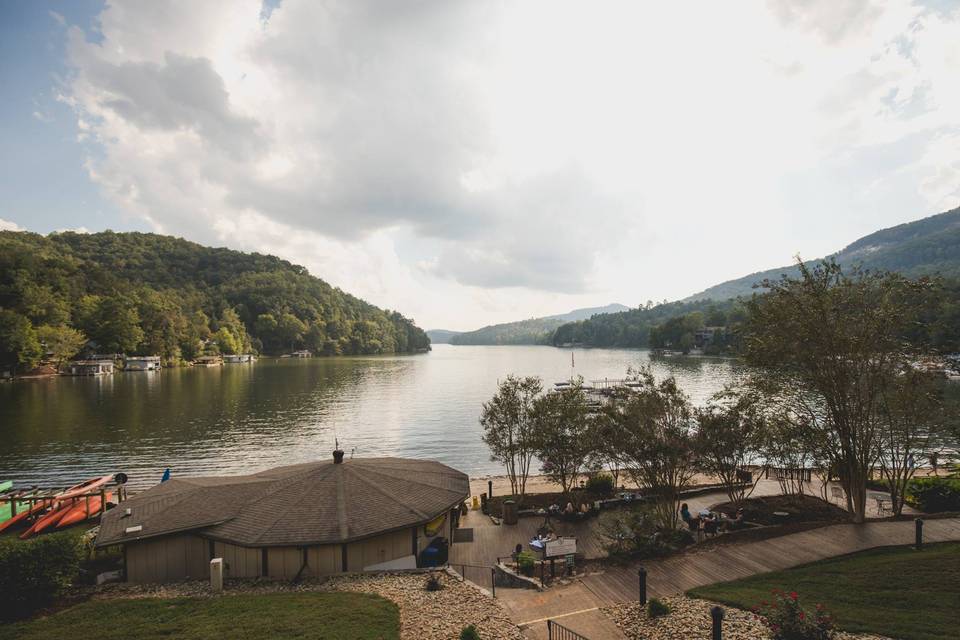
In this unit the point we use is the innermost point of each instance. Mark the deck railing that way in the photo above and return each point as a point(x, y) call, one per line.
point(556, 631)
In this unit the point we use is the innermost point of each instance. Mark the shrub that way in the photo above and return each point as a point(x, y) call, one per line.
point(788, 620)
point(931, 495)
point(469, 632)
point(633, 533)
point(600, 484)
point(657, 608)
point(433, 583)
point(34, 573)
point(525, 563)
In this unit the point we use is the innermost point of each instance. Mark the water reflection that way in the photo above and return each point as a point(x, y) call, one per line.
point(240, 418)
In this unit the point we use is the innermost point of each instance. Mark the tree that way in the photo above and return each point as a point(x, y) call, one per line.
point(62, 341)
point(836, 341)
point(19, 346)
point(653, 424)
point(508, 428)
point(117, 325)
point(564, 438)
point(912, 424)
point(729, 436)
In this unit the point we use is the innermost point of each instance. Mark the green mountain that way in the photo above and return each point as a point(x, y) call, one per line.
point(923, 247)
point(441, 336)
point(142, 293)
point(532, 331)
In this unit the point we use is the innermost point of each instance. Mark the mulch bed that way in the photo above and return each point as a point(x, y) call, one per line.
point(800, 509)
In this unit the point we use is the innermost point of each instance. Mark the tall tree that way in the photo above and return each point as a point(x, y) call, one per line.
point(564, 439)
point(653, 424)
point(508, 428)
point(729, 437)
point(837, 341)
point(19, 347)
point(63, 342)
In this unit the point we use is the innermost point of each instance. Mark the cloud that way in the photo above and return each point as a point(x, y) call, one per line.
point(7, 225)
point(478, 150)
point(58, 18)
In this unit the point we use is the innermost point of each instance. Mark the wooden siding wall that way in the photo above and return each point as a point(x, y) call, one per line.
point(168, 559)
point(322, 561)
point(242, 562)
point(388, 546)
point(283, 563)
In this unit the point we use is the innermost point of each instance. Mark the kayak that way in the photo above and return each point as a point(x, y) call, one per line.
point(82, 511)
point(84, 487)
point(47, 520)
point(21, 515)
point(56, 505)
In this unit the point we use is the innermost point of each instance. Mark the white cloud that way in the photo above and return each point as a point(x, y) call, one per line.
point(7, 225)
point(469, 162)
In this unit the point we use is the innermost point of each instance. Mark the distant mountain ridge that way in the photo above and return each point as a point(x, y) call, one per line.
point(923, 247)
point(531, 331)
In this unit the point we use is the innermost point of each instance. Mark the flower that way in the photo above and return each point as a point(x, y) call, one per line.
point(793, 595)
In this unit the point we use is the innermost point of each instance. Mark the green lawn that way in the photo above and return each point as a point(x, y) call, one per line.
point(347, 616)
point(895, 592)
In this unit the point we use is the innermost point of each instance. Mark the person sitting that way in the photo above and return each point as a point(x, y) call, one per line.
point(710, 526)
point(736, 522)
point(584, 509)
point(685, 513)
point(569, 510)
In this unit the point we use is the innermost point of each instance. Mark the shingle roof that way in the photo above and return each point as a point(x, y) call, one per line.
point(304, 504)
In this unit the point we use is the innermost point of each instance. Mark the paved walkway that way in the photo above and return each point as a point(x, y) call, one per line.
point(575, 605)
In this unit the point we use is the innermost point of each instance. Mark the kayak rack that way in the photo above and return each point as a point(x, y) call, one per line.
point(27, 498)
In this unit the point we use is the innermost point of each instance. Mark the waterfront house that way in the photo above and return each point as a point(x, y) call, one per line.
point(142, 363)
point(303, 353)
point(88, 368)
point(208, 361)
point(238, 358)
point(305, 520)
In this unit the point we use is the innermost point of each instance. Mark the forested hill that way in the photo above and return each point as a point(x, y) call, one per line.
point(141, 293)
point(923, 247)
point(532, 331)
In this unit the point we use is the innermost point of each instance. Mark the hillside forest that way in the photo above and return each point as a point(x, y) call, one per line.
point(147, 294)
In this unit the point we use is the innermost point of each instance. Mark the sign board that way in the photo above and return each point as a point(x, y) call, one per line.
point(561, 547)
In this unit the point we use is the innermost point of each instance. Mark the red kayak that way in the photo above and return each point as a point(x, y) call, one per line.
point(84, 487)
point(37, 508)
point(82, 510)
point(47, 520)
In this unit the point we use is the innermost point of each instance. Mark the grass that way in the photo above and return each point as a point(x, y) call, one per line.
point(327, 616)
point(896, 592)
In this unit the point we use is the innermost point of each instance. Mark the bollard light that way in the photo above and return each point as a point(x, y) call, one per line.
point(642, 575)
point(717, 614)
point(918, 533)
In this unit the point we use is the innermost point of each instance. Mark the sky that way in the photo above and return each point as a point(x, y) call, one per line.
point(469, 162)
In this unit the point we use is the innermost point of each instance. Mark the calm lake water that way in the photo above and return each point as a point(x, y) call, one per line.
point(244, 418)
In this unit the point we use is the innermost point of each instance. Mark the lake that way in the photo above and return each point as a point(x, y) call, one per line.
point(246, 417)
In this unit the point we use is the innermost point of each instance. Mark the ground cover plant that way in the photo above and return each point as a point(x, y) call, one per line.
point(896, 592)
point(34, 573)
point(345, 616)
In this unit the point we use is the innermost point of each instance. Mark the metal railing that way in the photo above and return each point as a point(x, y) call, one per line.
point(556, 631)
point(482, 575)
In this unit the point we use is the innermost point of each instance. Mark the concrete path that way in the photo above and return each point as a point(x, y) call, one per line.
point(575, 605)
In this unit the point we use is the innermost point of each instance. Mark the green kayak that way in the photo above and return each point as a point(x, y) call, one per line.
point(5, 511)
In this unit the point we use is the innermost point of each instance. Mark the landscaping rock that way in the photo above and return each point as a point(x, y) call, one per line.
point(690, 618)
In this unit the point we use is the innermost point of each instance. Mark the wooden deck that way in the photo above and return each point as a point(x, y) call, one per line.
point(576, 603)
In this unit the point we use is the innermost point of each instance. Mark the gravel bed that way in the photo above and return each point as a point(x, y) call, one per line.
point(690, 618)
point(424, 615)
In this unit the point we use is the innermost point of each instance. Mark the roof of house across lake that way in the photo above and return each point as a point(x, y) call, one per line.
point(315, 503)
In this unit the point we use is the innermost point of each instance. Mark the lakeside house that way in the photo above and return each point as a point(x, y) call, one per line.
point(305, 520)
point(88, 368)
point(208, 361)
point(238, 358)
point(303, 353)
point(142, 363)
